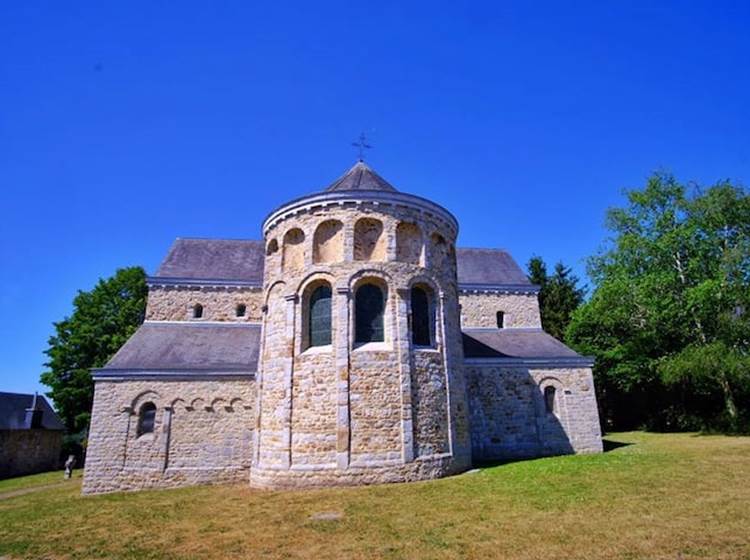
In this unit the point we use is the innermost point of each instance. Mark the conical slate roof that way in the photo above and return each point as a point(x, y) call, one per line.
point(360, 178)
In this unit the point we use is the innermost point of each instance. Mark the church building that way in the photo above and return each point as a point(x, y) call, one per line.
point(353, 344)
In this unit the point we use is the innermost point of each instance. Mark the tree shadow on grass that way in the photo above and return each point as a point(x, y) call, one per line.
point(611, 445)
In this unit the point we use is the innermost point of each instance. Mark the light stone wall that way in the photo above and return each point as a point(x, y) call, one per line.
point(350, 413)
point(203, 434)
point(509, 417)
point(480, 310)
point(171, 303)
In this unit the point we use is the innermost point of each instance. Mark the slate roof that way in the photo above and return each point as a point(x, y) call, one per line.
point(13, 412)
point(488, 267)
point(514, 343)
point(214, 259)
point(189, 347)
point(360, 177)
point(242, 260)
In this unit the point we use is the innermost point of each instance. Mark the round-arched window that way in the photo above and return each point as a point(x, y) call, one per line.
point(421, 317)
point(146, 419)
point(319, 316)
point(369, 306)
point(549, 399)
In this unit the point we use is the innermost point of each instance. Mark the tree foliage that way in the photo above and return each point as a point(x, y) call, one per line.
point(668, 321)
point(559, 295)
point(102, 320)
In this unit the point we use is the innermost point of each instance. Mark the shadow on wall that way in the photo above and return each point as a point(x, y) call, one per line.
point(514, 416)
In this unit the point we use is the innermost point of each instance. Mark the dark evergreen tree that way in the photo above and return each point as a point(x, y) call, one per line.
point(559, 295)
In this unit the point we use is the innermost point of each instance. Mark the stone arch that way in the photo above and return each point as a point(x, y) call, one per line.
point(409, 243)
point(423, 312)
point(439, 251)
point(218, 402)
point(197, 404)
point(142, 397)
point(328, 242)
point(550, 381)
point(370, 243)
point(235, 403)
point(177, 401)
point(272, 247)
point(370, 310)
point(316, 324)
point(293, 258)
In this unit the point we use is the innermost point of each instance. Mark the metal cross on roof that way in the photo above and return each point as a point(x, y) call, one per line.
point(362, 144)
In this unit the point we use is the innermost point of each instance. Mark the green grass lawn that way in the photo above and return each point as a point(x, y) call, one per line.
point(660, 496)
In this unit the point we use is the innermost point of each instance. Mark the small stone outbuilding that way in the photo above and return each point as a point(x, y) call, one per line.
point(31, 435)
point(353, 344)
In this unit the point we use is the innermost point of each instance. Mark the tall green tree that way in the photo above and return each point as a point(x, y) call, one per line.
point(559, 295)
point(101, 322)
point(668, 320)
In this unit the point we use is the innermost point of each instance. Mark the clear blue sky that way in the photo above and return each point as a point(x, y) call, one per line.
point(126, 124)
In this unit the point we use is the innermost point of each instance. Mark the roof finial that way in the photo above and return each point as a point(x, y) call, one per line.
point(362, 144)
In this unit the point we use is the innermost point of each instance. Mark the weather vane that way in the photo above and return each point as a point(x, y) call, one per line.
point(362, 145)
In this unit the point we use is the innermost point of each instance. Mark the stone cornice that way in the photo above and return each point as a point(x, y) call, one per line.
point(526, 289)
point(321, 200)
point(567, 361)
point(111, 374)
point(164, 281)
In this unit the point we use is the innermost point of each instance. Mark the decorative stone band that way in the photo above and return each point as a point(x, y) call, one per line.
point(524, 289)
point(568, 361)
point(158, 281)
point(378, 198)
point(109, 374)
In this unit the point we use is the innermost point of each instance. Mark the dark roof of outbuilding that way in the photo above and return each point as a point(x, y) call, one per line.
point(189, 346)
point(214, 259)
point(360, 177)
point(489, 267)
point(13, 412)
point(514, 343)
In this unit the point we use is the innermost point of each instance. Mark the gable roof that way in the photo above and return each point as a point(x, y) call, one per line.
point(488, 267)
point(214, 259)
point(189, 347)
point(514, 343)
point(13, 412)
point(242, 260)
point(360, 177)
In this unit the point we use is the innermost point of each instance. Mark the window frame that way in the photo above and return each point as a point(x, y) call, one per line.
point(550, 399)
point(310, 300)
point(358, 339)
point(500, 319)
point(429, 316)
point(197, 311)
point(146, 408)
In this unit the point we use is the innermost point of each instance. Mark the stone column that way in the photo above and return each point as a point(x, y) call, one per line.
point(403, 348)
point(341, 363)
point(448, 365)
point(286, 441)
point(166, 428)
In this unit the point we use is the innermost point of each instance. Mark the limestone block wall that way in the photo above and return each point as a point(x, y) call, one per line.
point(510, 419)
point(480, 310)
point(352, 413)
point(202, 434)
point(175, 303)
point(29, 451)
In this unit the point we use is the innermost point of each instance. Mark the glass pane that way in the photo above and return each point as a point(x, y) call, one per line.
point(420, 317)
point(320, 316)
point(146, 420)
point(369, 314)
point(549, 398)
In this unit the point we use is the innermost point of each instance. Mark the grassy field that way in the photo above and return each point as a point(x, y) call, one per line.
point(652, 496)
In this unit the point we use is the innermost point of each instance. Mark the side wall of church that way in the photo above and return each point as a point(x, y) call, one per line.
point(202, 434)
point(510, 417)
point(176, 303)
point(480, 310)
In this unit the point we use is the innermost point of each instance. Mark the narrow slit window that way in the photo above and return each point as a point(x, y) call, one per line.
point(369, 306)
point(421, 317)
point(319, 316)
point(197, 311)
point(146, 419)
point(549, 399)
point(500, 318)
point(241, 310)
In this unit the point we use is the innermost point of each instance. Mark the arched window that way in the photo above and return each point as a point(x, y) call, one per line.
point(549, 399)
point(319, 316)
point(146, 418)
point(197, 311)
point(240, 310)
point(421, 317)
point(500, 318)
point(369, 305)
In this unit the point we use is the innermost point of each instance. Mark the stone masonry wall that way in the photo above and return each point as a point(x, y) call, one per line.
point(202, 434)
point(29, 451)
point(480, 310)
point(509, 418)
point(171, 303)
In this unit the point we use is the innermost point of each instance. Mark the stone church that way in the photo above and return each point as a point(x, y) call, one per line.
point(353, 344)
